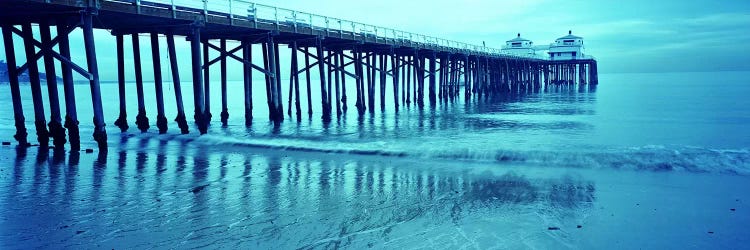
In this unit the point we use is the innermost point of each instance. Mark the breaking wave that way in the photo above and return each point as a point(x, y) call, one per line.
point(647, 158)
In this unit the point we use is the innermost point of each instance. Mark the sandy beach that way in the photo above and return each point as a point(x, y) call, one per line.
point(155, 192)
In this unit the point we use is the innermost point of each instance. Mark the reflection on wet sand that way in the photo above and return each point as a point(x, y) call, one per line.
point(168, 193)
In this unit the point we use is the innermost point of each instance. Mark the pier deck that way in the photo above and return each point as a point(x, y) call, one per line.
point(369, 56)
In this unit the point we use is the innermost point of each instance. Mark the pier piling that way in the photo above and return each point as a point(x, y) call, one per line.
point(122, 119)
point(198, 94)
point(15, 92)
point(223, 67)
point(161, 118)
point(71, 114)
point(141, 120)
point(206, 83)
point(36, 89)
point(56, 130)
point(248, 81)
point(438, 69)
point(100, 133)
point(180, 119)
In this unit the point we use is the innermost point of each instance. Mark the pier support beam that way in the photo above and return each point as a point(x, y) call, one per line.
point(343, 81)
point(359, 103)
point(277, 76)
point(248, 81)
point(223, 66)
point(370, 82)
point(307, 80)
point(15, 92)
point(100, 133)
point(295, 79)
point(161, 118)
point(395, 65)
point(141, 120)
point(206, 84)
point(408, 80)
point(383, 66)
point(180, 119)
point(122, 119)
point(198, 95)
point(71, 115)
point(55, 123)
point(433, 63)
point(338, 74)
point(325, 103)
point(36, 89)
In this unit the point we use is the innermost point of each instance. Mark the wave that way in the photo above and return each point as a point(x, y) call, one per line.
point(655, 158)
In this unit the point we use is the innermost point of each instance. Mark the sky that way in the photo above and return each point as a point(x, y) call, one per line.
point(625, 36)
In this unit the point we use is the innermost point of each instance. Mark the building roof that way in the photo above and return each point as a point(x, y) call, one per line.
point(519, 39)
point(570, 36)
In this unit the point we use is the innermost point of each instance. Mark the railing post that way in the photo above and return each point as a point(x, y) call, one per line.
point(294, 19)
point(231, 16)
point(255, 15)
point(312, 29)
point(205, 10)
point(138, 6)
point(276, 17)
point(327, 27)
point(174, 10)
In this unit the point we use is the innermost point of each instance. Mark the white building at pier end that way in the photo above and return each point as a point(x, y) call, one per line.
point(569, 47)
point(519, 46)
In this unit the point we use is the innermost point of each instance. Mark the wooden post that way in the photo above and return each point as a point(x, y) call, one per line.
point(420, 77)
point(122, 120)
point(180, 119)
point(408, 80)
point(248, 80)
point(307, 80)
point(279, 93)
point(343, 81)
point(358, 81)
point(433, 61)
point(295, 68)
point(323, 85)
point(55, 123)
point(329, 87)
point(15, 92)
point(36, 89)
point(100, 134)
point(370, 82)
point(71, 116)
point(467, 77)
point(161, 118)
point(396, 75)
point(198, 95)
point(223, 67)
point(141, 120)
point(269, 80)
point(338, 74)
point(206, 83)
point(383, 67)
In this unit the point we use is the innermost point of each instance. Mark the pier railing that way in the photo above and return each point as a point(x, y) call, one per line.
point(304, 22)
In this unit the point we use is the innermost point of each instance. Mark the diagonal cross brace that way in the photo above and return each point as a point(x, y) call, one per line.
point(313, 64)
point(47, 48)
point(327, 63)
point(231, 54)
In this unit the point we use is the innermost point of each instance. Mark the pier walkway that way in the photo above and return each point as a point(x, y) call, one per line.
point(418, 68)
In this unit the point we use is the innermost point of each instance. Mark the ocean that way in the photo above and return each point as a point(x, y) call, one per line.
point(657, 160)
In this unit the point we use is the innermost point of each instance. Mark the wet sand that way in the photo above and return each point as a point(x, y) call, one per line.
point(166, 192)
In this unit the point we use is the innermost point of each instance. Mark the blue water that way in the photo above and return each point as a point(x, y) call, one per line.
point(482, 172)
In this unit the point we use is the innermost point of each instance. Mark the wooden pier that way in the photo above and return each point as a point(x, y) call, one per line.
point(369, 57)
